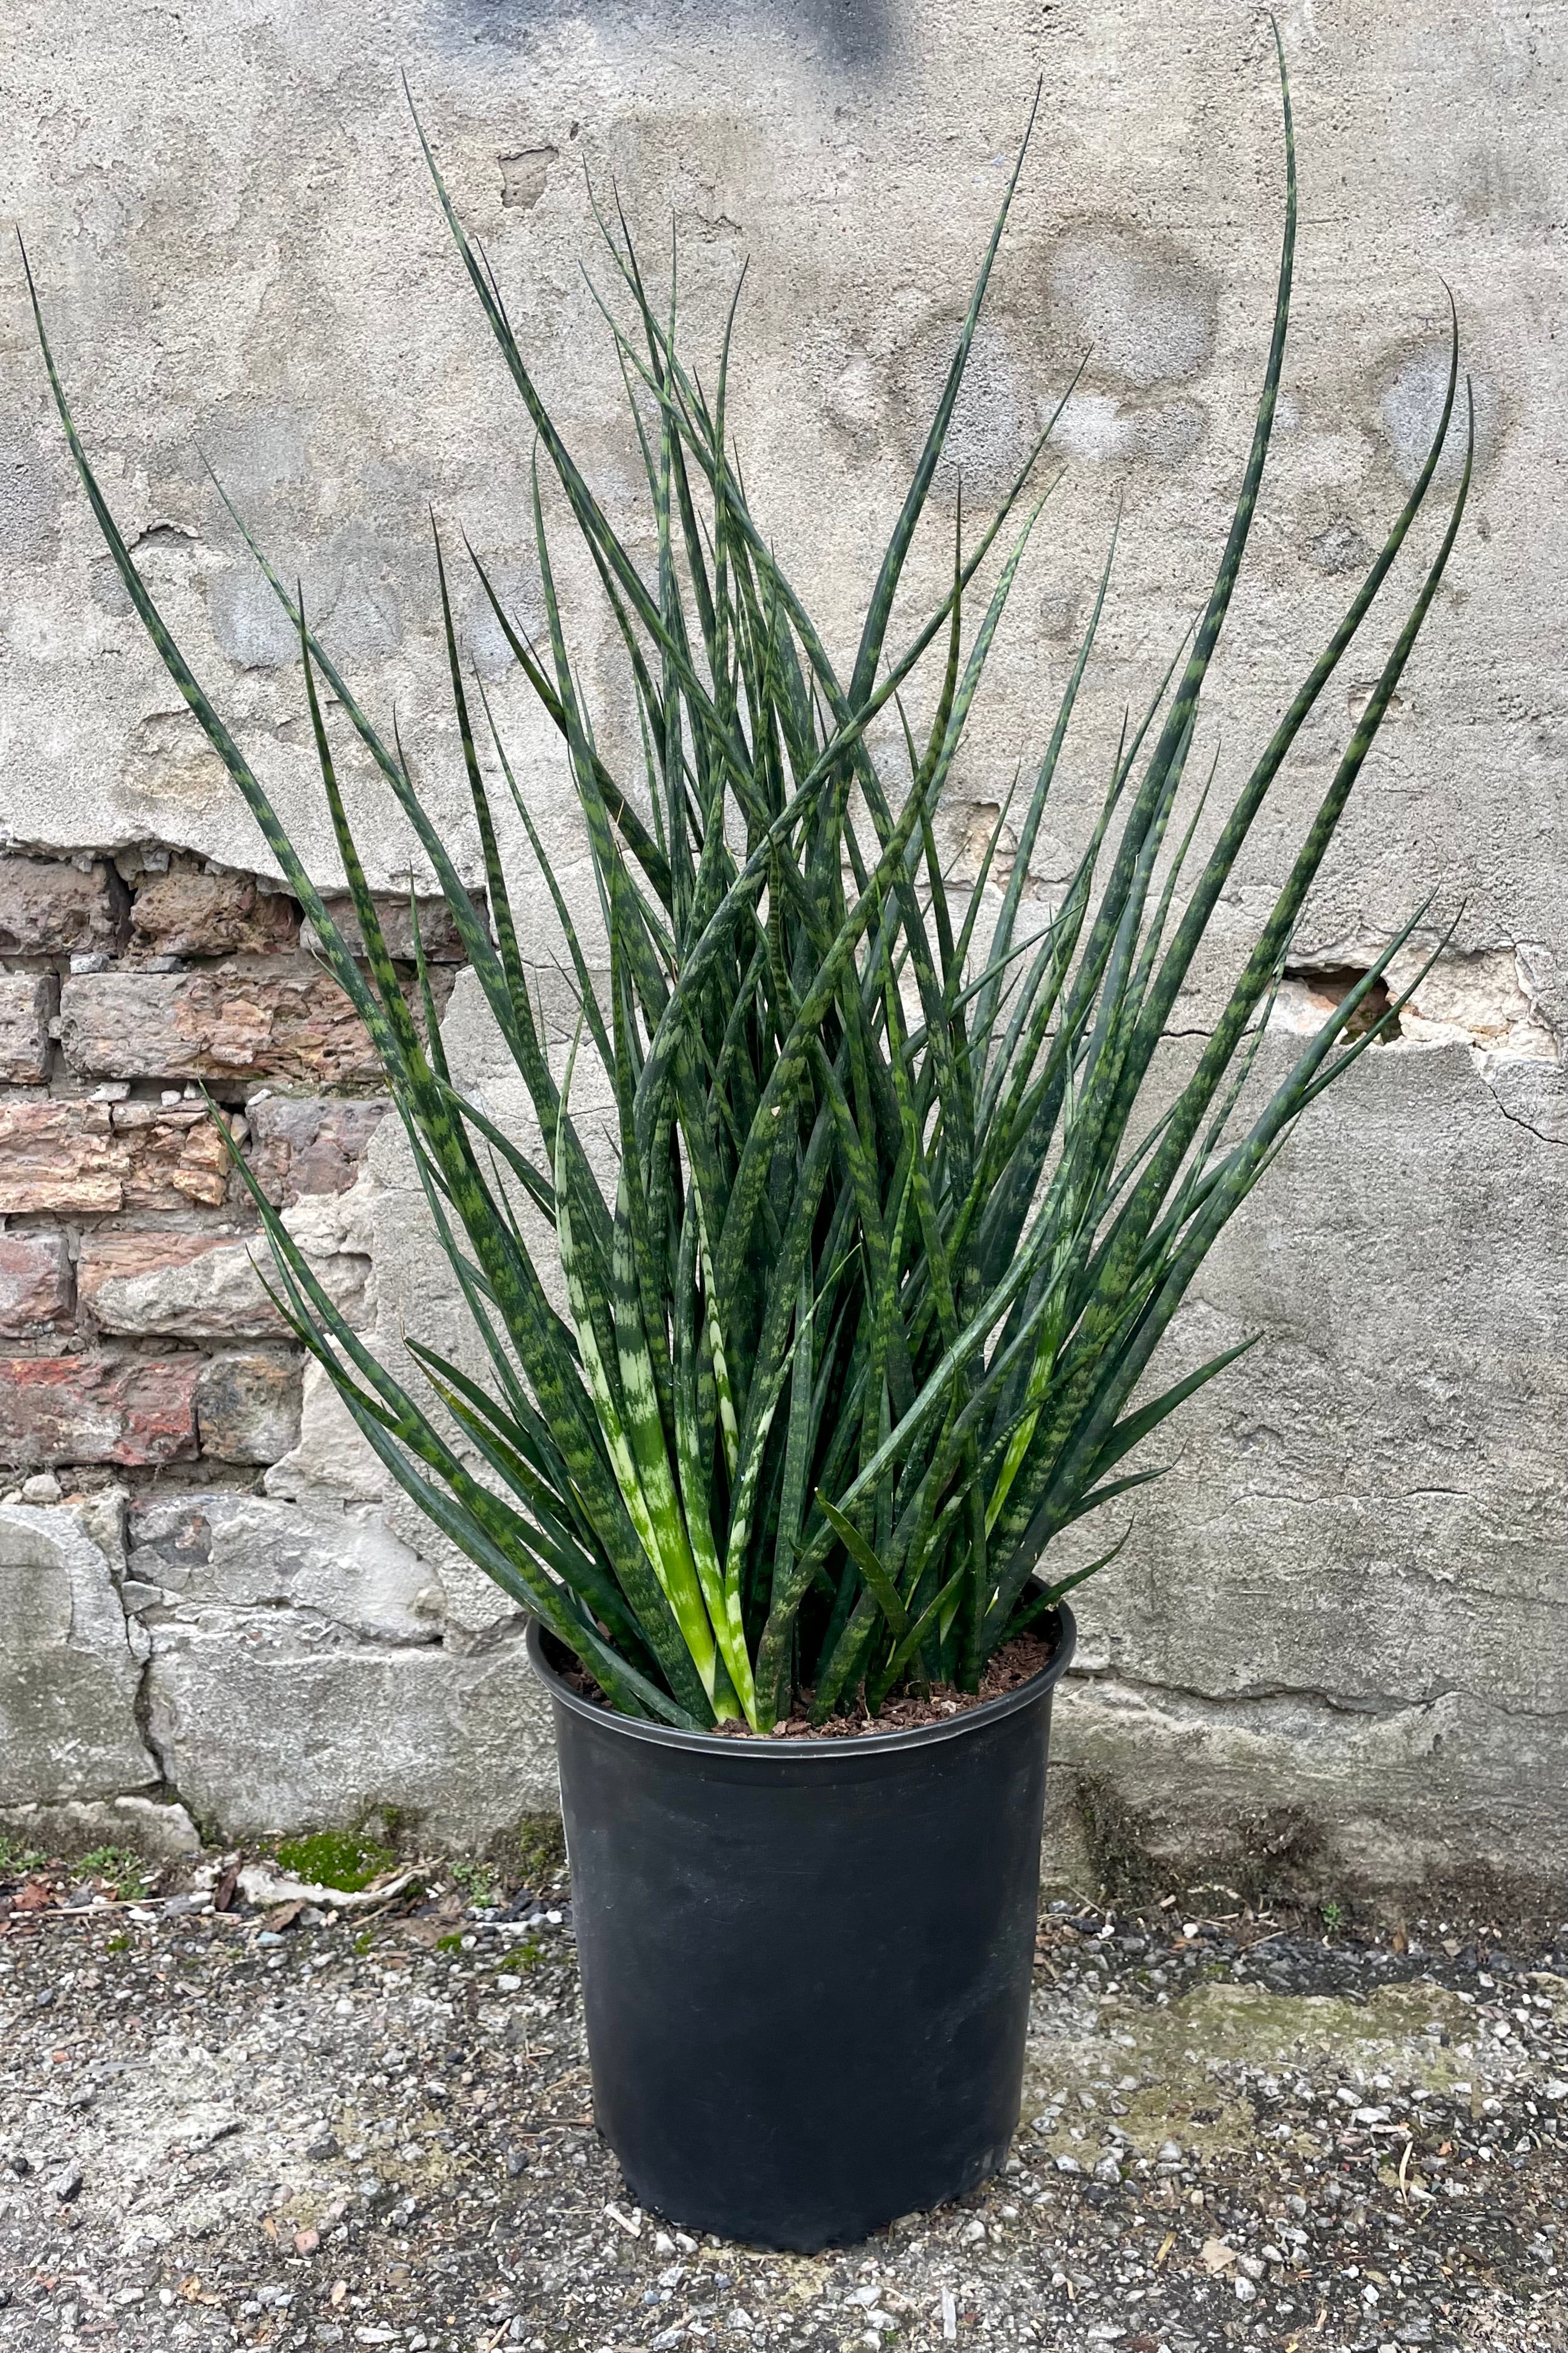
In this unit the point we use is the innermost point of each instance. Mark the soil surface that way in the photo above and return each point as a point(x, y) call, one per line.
point(283, 2127)
point(1014, 1663)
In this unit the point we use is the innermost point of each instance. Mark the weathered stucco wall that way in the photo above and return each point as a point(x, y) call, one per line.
point(1348, 1605)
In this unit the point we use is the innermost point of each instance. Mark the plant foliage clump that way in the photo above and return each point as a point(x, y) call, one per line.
point(894, 1235)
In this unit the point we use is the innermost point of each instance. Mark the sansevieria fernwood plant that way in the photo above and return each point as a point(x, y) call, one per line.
point(895, 1235)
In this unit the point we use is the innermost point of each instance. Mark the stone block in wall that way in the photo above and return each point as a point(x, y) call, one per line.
point(174, 1155)
point(189, 912)
point(1383, 1796)
point(248, 1405)
point(199, 1286)
point(475, 1603)
point(89, 1159)
point(50, 907)
point(156, 1826)
point(58, 1156)
point(309, 1144)
point(68, 1679)
point(132, 1411)
point(100, 1513)
point(255, 1018)
point(26, 1007)
point(333, 1454)
point(286, 1728)
point(207, 1553)
point(34, 1282)
point(438, 935)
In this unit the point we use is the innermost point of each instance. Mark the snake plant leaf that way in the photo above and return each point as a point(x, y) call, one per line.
point(864, 1299)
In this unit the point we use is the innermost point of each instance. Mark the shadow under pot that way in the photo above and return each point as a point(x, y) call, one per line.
point(806, 1963)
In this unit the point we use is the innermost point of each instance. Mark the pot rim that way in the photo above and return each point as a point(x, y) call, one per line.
point(865, 1744)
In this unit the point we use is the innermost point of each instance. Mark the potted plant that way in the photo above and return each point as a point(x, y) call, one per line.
point(774, 1441)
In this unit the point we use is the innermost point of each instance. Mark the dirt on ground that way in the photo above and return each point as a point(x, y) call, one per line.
point(235, 2113)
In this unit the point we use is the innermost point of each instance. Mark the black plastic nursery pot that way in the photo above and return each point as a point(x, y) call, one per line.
point(806, 1963)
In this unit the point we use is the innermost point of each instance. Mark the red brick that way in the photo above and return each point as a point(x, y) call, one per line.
point(34, 1282)
point(131, 1410)
point(189, 913)
point(260, 1016)
point(89, 1158)
point(49, 907)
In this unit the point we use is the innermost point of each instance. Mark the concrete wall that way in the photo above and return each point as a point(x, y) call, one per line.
point(1347, 1603)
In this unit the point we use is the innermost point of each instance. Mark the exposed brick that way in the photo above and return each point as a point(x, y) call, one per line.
point(438, 933)
point(131, 1410)
point(174, 1155)
point(26, 1004)
point(248, 1407)
point(111, 1258)
point(58, 1156)
point(48, 907)
point(34, 1282)
point(309, 1144)
point(199, 1286)
point(89, 1158)
point(260, 1016)
point(188, 911)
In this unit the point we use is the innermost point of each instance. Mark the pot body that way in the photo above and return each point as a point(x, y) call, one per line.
point(805, 1964)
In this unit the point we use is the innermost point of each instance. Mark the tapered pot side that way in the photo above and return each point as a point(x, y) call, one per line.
point(806, 1963)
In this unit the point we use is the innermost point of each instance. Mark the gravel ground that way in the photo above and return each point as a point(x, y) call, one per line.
point(276, 2126)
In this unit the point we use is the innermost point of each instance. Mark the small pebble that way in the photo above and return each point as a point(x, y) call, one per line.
point(172, 2019)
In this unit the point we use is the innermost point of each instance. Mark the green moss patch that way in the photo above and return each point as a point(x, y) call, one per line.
point(540, 1848)
point(340, 1859)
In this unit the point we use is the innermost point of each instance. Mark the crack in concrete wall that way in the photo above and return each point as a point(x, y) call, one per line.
point(1334, 1703)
